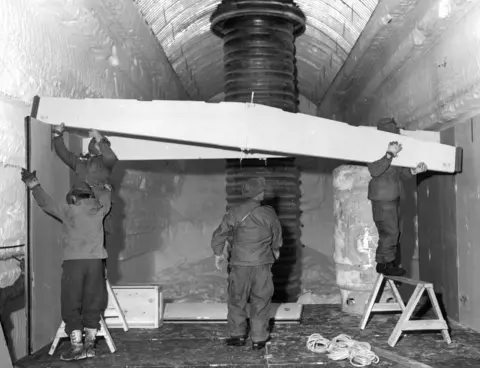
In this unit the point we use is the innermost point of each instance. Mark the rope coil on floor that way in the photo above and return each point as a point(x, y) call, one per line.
point(359, 354)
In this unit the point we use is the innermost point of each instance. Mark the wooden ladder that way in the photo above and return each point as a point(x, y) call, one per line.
point(404, 323)
point(115, 312)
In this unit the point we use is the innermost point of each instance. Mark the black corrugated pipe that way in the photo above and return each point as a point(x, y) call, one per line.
point(259, 62)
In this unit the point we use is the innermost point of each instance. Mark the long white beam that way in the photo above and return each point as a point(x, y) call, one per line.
point(243, 127)
point(139, 149)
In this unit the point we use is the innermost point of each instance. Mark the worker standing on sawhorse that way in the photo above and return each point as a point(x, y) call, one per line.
point(84, 296)
point(384, 191)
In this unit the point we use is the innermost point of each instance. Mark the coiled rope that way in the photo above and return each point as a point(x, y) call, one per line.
point(359, 354)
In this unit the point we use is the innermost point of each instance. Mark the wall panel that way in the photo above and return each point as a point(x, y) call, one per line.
point(437, 233)
point(468, 224)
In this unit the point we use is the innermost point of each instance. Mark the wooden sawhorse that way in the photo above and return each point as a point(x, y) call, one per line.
point(404, 323)
point(115, 312)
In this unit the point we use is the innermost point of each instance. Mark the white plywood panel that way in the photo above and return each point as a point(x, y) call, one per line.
point(218, 311)
point(250, 128)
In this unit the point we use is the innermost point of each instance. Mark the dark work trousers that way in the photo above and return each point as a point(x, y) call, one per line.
point(84, 294)
point(386, 215)
point(254, 283)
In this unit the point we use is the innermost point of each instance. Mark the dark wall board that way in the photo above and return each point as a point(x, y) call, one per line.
point(468, 224)
point(45, 251)
point(437, 233)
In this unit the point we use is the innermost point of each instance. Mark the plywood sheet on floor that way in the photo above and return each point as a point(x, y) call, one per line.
point(218, 311)
point(201, 345)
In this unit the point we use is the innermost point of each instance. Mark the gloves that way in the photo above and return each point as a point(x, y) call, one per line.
point(394, 148)
point(421, 167)
point(58, 130)
point(219, 261)
point(30, 179)
point(276, 254)
point(95, 134)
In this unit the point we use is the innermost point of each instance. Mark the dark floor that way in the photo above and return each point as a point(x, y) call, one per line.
point(201, 345)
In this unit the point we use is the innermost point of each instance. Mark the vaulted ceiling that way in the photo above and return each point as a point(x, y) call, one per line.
point(183, 29)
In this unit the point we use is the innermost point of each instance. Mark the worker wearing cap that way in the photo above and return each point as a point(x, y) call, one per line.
point(256, 237)
point(83, 288)
point(93, 168)
point(384, 190)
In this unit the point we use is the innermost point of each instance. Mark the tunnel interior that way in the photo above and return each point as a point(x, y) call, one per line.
point(404, 62)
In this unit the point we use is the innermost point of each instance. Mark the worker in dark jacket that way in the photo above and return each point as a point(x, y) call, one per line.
point(93, 168)
point(384, 192)
point(256, 237)
point(84, 295)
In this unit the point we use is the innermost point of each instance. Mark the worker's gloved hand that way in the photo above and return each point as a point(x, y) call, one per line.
point(394, 148)
point(30, 179)
point(219, 262)
point(95, 134)
point(276, 254)
point(421, 167)
point(58, 130)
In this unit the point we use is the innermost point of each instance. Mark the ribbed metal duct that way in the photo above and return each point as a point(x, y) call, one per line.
point(258, 49)
point(183, 29)
point(259, 57)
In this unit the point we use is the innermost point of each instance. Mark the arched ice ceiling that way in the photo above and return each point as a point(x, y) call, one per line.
point(183, 29)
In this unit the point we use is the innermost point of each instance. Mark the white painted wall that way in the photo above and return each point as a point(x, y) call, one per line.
point(86, 48)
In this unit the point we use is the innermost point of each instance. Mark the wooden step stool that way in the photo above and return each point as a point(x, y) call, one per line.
point(404, 323)
point(115, 312)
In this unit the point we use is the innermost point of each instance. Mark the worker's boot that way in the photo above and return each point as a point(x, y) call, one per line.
point(258, 345)
point(89, 345)
point(236, 341)
point(76, 351)
point(390, 269)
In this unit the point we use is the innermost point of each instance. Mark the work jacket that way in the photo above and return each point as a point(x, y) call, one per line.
point(253, 230)
point(93, 169)
point(386, 182)
point(82, 224)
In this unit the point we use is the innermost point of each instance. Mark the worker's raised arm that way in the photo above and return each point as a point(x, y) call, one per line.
point(41, 197)
point(69, 158)
point(109, 157)
point(377, 168)
point(105, 199)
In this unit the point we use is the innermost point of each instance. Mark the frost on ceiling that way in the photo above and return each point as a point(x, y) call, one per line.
point(183, 29)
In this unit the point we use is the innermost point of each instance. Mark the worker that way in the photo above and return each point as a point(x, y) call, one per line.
point(83, 289)
point(94, 168)
point(384, 191)
point(255, 234)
